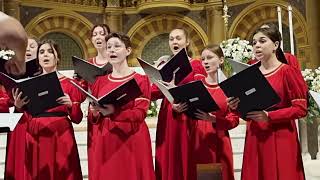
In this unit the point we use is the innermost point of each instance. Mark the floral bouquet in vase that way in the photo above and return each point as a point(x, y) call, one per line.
point(237, 50)
point(312, 78)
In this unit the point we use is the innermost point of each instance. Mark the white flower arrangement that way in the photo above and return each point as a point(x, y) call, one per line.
point(6, 54)
point(312, 78)
point(237, 49)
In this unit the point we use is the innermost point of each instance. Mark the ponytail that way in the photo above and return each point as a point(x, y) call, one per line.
point(280, 56)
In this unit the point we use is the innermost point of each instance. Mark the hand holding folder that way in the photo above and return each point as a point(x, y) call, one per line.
point(119, 96)
point(43, 90)
point(195, 94)
point(253, 90)
point(178, 65)
point(89, 71)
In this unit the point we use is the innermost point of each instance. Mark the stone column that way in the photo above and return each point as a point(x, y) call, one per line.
point(215, 24)
point(313, 22)
point(318, 154)
point(114, 20)
point(303, 137)
point(313, 18)
point(2, 5)
point(11, 7)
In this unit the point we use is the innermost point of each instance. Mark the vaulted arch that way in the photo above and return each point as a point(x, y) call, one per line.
point(67, 22)
point(262, 12)
point(147, 28)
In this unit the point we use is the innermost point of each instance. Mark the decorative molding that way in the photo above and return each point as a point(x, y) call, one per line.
point(151, 26)
point(61, 5)
point(67, 22)
point(163, 6)
point(99, 9)
point(239, 2)
point(261, 12)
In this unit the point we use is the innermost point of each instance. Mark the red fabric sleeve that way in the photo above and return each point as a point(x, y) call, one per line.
point(292, 61)
point(4, 102)
point(197, 67)
point(296, 90)
point(155, 93)
point(77, 97)
point(94, 87)
point(230, 121)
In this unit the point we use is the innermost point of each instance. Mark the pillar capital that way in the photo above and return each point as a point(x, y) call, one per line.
point(11, 7)
point(114, 19)
point(313, 18)
point(216, 28)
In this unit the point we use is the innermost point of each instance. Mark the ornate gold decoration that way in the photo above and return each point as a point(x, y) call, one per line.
point(151, 26)
point(67, 22)
point(265, 11)
point(225, 16)
point(154, 6)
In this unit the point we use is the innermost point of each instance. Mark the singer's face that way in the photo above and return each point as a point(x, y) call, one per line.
point(263, 46)
point(98, 37)
point(210, 61)
point(47, 56)
point(177, 40)
point(31, 52)
point(117, 51)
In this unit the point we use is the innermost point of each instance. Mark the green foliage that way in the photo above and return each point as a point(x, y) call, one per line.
point(313, 111)
point(153, 109)
point(312, 77)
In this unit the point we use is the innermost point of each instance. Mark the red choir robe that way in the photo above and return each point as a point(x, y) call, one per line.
point(91, 128)
point(272, 149)
point(51, 149)
point(173, 140)
point(15, 154)
point(122, 144)
point(291, 59)
point(4, 100)
point(212, 141)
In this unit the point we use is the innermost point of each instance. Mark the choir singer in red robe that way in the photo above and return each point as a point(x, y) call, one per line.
point(212, 141)
point(51, 149)
point(122, 141)
point(272, 149)
point(173, 141)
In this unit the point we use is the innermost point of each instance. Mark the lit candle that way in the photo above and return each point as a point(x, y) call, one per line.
point(280, 24)
point(291, 30)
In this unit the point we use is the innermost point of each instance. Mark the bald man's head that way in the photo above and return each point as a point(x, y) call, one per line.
point(13, 37)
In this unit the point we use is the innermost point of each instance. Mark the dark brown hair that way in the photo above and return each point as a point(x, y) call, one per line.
point(105, 28)
point(123, 37)
point(53, 45)
point(273, 33)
